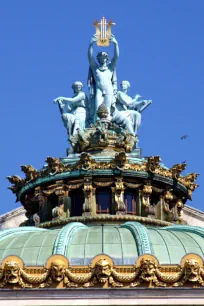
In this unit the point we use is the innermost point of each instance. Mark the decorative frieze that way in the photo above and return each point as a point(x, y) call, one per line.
point(102, 273)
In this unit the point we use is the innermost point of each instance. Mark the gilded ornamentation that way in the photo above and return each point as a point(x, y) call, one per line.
point(80, 278)
point(80, 141)
point(30, 173)
point(103, 135)
point(88, 188)
point(167, 277)
point(130, 142)
point(102, 184)
point(103, 270)
point(17, 182)
point(153, 163)
point(119, 192)
point(120, 159)
point(168, 197)
point(179, 207)
point(54, 165)
point(131, 185)
point(100, 217)
point(146, 192)
point(192, 272)
point(177, 169)
point(85, 162)
point(73, 186)
point(191, 177)
point(12, 272)
point(35, 280)
point(12, 275)
point(148, 270)
point(126, 277)
point(102, 273)
point(58, 270)
point(191, 188)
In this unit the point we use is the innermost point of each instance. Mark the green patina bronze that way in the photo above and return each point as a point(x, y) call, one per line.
point(123, 243)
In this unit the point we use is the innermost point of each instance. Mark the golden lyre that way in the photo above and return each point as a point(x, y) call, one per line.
point(103, 32)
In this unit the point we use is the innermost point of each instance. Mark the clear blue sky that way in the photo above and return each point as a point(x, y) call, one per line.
point(44, 49)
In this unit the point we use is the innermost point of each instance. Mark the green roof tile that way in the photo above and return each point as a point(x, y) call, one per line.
point(123, 243)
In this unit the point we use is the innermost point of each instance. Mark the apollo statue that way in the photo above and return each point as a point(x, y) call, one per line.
point(102, 80)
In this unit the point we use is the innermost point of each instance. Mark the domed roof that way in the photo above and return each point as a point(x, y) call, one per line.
point(123, 243)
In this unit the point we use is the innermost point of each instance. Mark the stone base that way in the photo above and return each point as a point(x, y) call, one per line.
point(143, 296)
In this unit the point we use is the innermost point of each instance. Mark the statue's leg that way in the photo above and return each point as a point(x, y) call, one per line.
point(99, 99)
point(80, 118)
point(64, 120)
point(137, 121)
point(127, 124)
point(68, 120)
point(76, 127)
point(108, 100)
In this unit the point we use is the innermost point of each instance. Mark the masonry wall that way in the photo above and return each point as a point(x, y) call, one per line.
point(13, 218)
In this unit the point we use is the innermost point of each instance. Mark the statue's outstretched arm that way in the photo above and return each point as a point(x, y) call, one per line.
point(141, 105)
point(78, 98)
point(90, 52)
point(116, 51)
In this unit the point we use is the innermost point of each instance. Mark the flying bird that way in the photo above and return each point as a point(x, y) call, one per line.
point(184, 137)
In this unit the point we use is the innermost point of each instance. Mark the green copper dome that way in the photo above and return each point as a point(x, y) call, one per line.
point(123, 243)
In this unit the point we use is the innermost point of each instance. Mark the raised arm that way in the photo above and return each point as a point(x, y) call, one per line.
point(80, 96)
point(116, 51)
point(90, 52)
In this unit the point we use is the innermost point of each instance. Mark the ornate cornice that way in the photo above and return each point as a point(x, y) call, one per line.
point(57, 170)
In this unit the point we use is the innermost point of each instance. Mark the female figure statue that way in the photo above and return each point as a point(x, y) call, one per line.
point(73, 109)
point(127, 111)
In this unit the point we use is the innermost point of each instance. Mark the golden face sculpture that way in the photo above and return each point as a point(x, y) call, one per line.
point(148, 269)
point(12, 272)
point(58, 270)
point(103, 270)
point(192, 270)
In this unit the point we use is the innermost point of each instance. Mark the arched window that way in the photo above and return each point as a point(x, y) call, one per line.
point(103, 200)
point(130, 201)
point(77, 201)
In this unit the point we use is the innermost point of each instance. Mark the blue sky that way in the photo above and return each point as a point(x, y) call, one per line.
point(44, 49)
